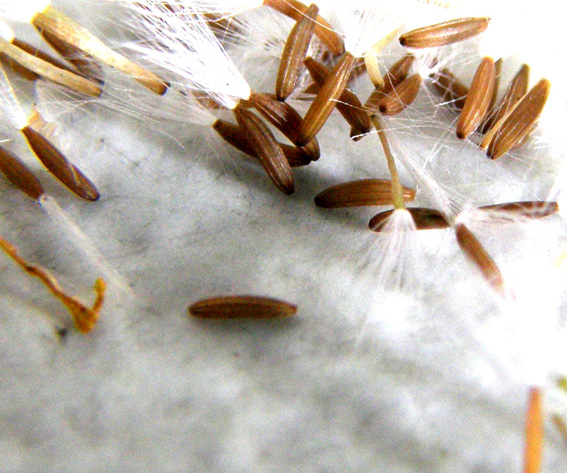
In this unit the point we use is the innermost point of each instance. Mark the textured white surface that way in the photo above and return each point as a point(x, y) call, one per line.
point(429, 376)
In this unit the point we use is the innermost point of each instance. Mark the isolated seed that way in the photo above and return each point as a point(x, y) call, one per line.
point(450, 88)
point(239, 307)
point(59, 166)
point(441, 34)
point(424, 219)
point(267, 149)
point(527, 209)
point(360, 193)
point(400, 98)
point(19, 174)
point(533, 448)
point(478, 99)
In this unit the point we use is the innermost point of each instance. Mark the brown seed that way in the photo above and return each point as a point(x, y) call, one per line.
point(294, 53)
point(533, 448)
point(491, 112)
point(424, 219)
point(238, 307)
point(19, 174)
point(527, 209)
point(267, 149)
point(516, 90)
point(234, 136)
point(450, 88)
point(59, 166)
point(519, 122)
point(476, 253)
point(478, 99)
point(66, 30)
point(348, 104)
point(441, 34)
point(400, 98)
point(326, 100)
point(397, 73)
point(323, 30)
point(363, 192)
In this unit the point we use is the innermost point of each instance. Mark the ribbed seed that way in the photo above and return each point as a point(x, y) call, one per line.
point(234, 136)
point(518, 87)
point(491, 112)
point(397, 73)
point(400, 98)
point(533, 449)
point(59, 166)
point(450, 89)
point(326, 100)
point(476, 253)
point(294, 53)
point(478, 99)
point(348, 104)
point(424, 219)
point(527, 209)
point(267, 149)
point(520, 120)
point(323, 30)
point(441, 34)
point(19, 174)
point(363, 192)
point(238, 307)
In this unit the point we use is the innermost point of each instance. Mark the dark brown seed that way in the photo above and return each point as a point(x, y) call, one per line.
point(364, 192)
point(59, 166)
point(400, 98)
point(294, 53)
point(441, 34)
point(476, 253)
point(424, 219)
point(267, 149)
point(478, 99)
point(527, 209)
point(19, 174)
point(450, 88)
point(326, 100)
point(238, 307)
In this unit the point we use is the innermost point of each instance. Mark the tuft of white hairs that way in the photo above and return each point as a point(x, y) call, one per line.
point(22, 11)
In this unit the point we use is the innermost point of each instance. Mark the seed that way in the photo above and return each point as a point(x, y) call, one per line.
point(519, 121)
point(491, 112)
point(534, 432)
point(20, 175)
point(360, 193)
point(450, 88)
point(476, 253)
point(397, 73)
point(441, 34)
point(267, 149)
point(527, 209)
point(60, 166)
point(326, 100)
point(371, 59)
point(400, 98)
point(238, 307)
point(294, 53)
point(478, 99)
point(424, 219)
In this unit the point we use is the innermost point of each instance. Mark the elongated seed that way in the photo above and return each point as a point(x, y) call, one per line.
point(533, 449)
point(478, 99)
point(294, 53)
point(348, 104)
point(267, 149)
point(491, 112)
point(238, 307)
point(475, 252)
point(397, 73)
point(363, 192)
point(520, 121)
point(60, 166)
point(450, 88)
point(400, 98)
point(424, 219)
point(234, 136)
point(19, 174)
point(326, 100)
point(441, 34)
point(527, 209)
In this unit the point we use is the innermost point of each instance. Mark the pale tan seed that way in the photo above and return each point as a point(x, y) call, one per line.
point(475, 252)
point(478, 99)
point(534, 428)
point(267, 149)
point(57, 24)
point(60, 166)
point(520, 121)
point(363, 192)
point(400, 98)
point(326, 100)
point(527, 209)
point(19, 174)
point(441, 34)
point(239, 307)
point(294, 53)
point(424, 219)
point(450, 89)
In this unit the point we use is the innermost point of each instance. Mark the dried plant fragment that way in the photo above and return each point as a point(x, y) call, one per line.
point(441, 34)
point(400, 98)
point(267, 149)
point(19, 174)
point(326, 100)
point(520, 121)
point(360, 193)
point(60, 166)
point(239, 307)
point(424, 219)
point(534, 432)
point(527, 209)
point(294, 53)
point(450, 88)
point(475, 252)
point(85, 318)
point(60, 26)
point(478, 99)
